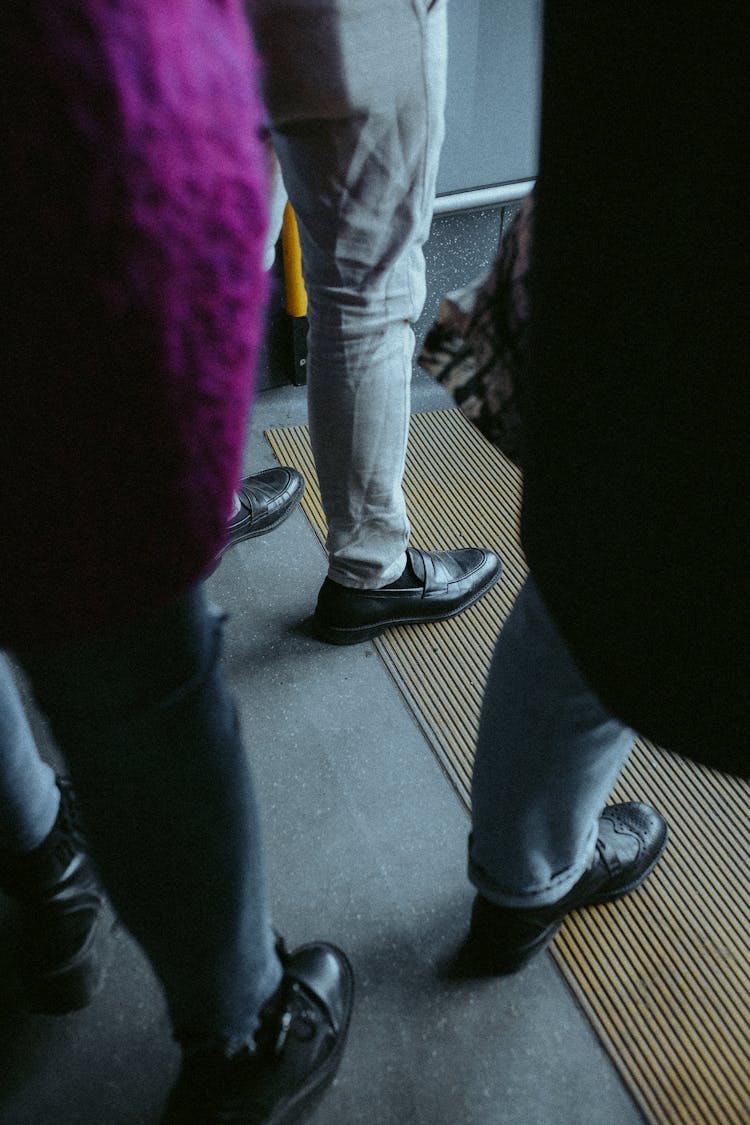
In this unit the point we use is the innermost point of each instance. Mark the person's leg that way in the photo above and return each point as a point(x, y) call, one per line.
point(29, 797)
point(264, 500)
point(150, 731)
point(548, 755)
point(277, 201)
point(46, 869)
point(356, 94)
point(150, 734)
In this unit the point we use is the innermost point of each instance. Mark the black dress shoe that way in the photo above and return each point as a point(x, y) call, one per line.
point(266, 499)
point(502, 939)
point(445, 582)
point(63, 933)
point(297, 1051)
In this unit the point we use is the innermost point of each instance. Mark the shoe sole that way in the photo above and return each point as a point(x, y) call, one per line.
point(333, 635)
point(284, 514)
point(308, 1096)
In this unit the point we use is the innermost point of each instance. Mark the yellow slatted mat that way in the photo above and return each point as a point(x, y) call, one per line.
point(663, 975)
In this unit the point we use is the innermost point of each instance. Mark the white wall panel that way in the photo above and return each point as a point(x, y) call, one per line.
point(494, 77)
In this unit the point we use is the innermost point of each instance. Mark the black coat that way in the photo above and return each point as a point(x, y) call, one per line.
point(636, 399)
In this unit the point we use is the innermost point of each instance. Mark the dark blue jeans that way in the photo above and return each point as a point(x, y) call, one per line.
point(150, 734)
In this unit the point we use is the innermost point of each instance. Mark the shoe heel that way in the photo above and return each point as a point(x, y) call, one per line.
point(68, 992)
point(75, 985)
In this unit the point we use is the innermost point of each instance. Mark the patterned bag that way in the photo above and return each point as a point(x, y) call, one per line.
point(475, 346)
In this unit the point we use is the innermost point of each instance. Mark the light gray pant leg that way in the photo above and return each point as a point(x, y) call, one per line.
point(277, 200)
point(548, 755)
point(356, 95)
point(29, 797)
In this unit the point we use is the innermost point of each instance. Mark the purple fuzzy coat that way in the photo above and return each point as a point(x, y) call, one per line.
point(132, 218)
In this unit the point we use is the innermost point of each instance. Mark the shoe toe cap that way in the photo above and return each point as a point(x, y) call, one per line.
point(324, 971)
point(635, 819)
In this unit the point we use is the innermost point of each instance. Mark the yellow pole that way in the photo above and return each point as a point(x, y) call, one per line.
point(294, 285)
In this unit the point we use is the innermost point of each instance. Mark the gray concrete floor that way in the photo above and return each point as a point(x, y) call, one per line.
point(366, 846)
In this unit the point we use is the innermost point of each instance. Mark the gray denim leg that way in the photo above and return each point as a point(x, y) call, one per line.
point(548, 755)
point(356, 94)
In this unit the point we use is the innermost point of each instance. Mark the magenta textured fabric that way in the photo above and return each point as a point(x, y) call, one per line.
point(133, 214)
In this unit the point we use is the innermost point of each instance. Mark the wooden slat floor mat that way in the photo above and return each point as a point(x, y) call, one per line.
point(664, 975)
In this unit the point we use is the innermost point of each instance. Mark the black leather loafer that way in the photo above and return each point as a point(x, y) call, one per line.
point(446, 583)
point(266, 499)
point(502, 939)
point(297, 1051)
